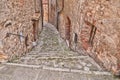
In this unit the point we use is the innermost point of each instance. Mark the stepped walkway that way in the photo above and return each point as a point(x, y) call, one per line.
point(51, 59)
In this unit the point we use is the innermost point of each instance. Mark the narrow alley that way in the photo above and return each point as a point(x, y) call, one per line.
point(51, 59)
point(59, 39)
point(52, 51)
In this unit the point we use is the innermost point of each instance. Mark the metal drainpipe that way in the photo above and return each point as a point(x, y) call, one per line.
point(58, 11)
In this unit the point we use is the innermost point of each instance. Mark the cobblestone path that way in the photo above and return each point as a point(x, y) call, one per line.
point(52, 51)
point(51, 59)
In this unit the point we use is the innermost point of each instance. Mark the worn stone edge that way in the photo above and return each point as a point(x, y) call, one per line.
point(77, 71)
point(22, 65)
point(60, 69)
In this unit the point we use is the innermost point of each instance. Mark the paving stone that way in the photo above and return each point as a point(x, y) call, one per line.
point(22, 73)
point(2, 67)
point(52, 51)
point(73, 76)
point(54, 56)
point(79, 66)
point(49, 75)
point(8, 70)
point(25, 73)
point(4, 77)
point(89, 65)
point(83, 63)
point(86, 69)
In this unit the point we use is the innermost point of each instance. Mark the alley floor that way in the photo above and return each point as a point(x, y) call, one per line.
point(51, 59)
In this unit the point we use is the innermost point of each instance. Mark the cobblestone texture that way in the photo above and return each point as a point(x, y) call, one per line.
point(25, 73)
point(52, 51)
point(97, 25)
point(51, 59)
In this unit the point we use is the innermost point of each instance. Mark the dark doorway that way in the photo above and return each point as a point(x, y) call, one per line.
point(35, 30)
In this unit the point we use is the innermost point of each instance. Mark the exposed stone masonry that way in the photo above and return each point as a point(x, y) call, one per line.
point(16, 26)
point(54, 60)
point(95, 24)
point(90, 25)
point(52, 51)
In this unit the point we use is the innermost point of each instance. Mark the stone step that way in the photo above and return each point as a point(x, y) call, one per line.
point(53, 57)
point(14, 71)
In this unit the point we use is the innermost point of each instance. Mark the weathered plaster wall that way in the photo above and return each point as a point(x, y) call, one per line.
point(95, 26)
point(52, 12)
point(17, 17)
point(45, 9)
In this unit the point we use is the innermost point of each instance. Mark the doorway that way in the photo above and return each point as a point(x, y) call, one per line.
point(68, 31)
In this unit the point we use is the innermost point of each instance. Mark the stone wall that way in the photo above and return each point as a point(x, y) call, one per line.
point(93, 25)
point(45, 10)
point(20, 21)
point(52, 12)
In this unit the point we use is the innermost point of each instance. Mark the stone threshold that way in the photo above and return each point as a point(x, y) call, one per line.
point(23, 65)
point(56, 57)
point(60, 69)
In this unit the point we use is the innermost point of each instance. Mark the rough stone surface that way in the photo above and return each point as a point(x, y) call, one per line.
point(16, 18)
point(45, 10)
point(94, 26)
point(52, 51)
point(46, 62)
point(25, 73)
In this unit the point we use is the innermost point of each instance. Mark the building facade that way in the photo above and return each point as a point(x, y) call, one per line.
point(93, 25)
point(20, 23)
